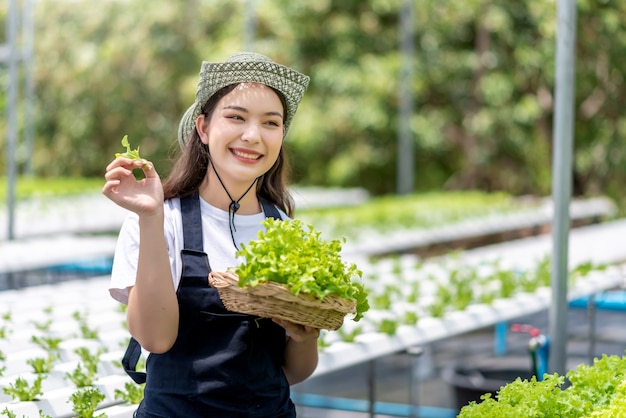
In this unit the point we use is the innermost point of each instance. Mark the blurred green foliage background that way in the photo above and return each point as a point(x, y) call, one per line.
point(483, 87)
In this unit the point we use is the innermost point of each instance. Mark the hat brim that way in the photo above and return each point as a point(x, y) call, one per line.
point(244, 68)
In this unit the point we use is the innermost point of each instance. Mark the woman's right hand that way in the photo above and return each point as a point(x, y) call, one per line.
point(144, 197)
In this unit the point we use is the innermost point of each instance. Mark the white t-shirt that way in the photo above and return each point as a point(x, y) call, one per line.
point(218, 243)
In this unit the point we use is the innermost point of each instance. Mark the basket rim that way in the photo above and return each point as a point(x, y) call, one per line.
point(229, 280)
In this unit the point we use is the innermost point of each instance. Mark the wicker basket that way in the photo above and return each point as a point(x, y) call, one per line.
point(274, 300)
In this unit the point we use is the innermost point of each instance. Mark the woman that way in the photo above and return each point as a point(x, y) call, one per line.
point(205, 361)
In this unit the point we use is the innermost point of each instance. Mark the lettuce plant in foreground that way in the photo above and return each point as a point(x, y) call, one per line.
point(294, 254)
point(596, 390)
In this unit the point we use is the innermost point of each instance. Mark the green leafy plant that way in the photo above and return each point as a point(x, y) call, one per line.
point(2, 368)
point(595, 390)
point(462, 281)
point(528, 282)
point(23, 391)
point(413, 296)
point(90, 360)
point(444, 297)
point(42, 365)
point(349, 336)
point(132, 393)
point(410, 318)
point(295, 255)
point(543, 273)
point(424, 210)
point(382, 301)
point(11, 414)
point(508, 282)
point(397, 266)
point(487, 292)
point(85, 331)
point(388, 326)
point(85, 371)
point(5, 331)
point(85, 402)
point(523, 398)
point(322, 343)
point(47, 343)
point(616, 406)
point(42, 326)
point(141, 362)
point(583, 269)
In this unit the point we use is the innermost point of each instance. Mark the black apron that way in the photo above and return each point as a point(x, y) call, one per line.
point(223, 364)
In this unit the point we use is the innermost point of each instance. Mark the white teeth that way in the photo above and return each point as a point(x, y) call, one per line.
point(246, 155)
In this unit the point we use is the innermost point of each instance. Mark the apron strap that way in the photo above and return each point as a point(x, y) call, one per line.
point(192, 222)
point(270, 210)
point(130, 360)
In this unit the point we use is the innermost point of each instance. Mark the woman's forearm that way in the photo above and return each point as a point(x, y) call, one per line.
point(152, 313)
point(300, 360)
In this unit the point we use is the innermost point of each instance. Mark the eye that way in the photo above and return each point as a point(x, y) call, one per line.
point(234, 117)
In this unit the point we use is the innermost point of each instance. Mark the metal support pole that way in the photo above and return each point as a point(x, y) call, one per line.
point(371, 387)
point(562, 177)
point(28, 34)
point(11, 30)
point(405, 169)
point(249, 25)
point(591, 314)
point(501, 330)
point(414, 353)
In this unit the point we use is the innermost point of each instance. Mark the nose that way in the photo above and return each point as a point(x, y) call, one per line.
point(252, 133)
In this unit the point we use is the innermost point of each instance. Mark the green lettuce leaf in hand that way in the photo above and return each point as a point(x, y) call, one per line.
point(133, 154)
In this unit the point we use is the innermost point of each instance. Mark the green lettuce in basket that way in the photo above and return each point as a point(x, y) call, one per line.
point(296, 256)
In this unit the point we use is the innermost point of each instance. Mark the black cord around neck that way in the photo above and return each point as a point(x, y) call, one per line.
point(234, 205)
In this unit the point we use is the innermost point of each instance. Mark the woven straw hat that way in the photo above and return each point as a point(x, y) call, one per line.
point(244, 67)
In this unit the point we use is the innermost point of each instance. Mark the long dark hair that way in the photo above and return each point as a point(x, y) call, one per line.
point(192, 164)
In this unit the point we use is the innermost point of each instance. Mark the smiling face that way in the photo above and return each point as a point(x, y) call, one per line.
point(244, 134)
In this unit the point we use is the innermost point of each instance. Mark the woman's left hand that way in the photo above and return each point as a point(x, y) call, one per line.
point(298, 333)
